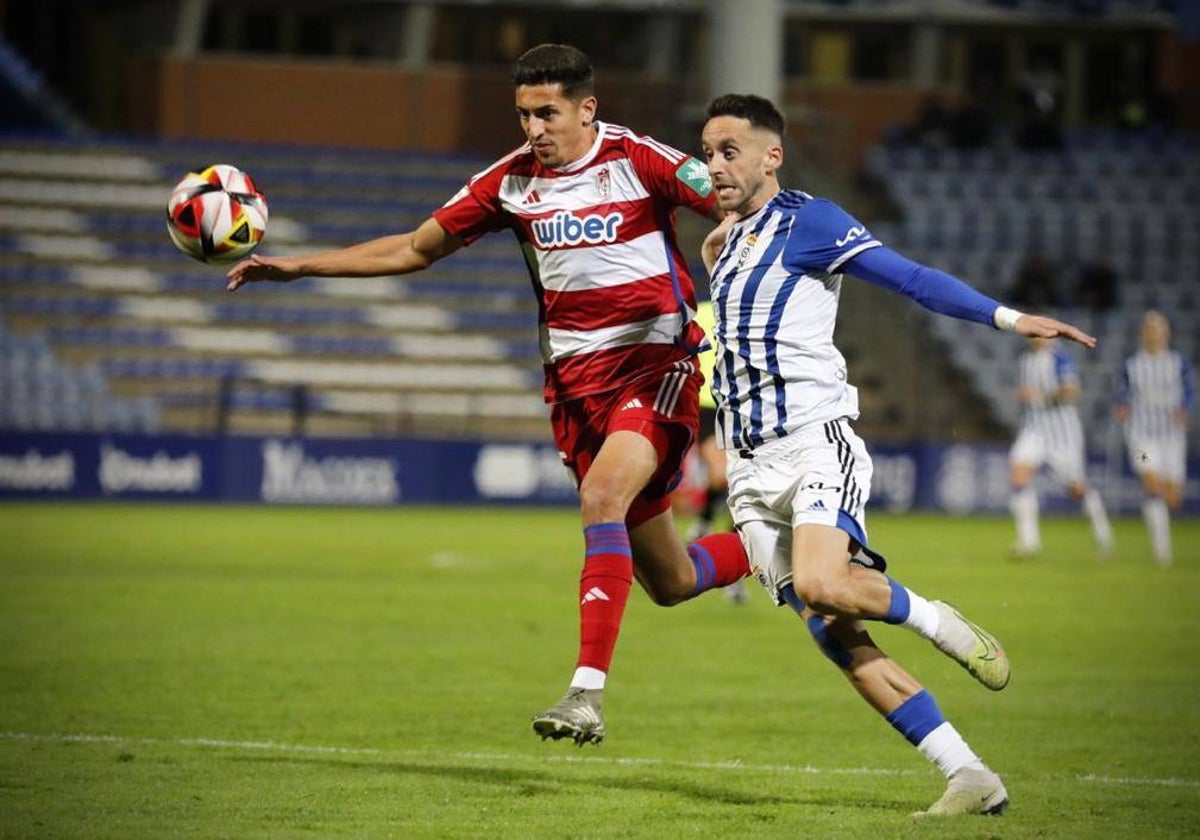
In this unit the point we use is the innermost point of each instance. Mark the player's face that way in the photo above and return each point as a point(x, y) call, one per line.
point(559, 129)
point(743, 161)
point(1155, 333)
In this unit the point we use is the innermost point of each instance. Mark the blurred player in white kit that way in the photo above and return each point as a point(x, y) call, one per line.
point(1156, 395)
point(1051, 435)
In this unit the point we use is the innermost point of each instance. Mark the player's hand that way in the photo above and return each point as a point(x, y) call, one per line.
point(715, 241)
point(1039, 326)
point(256, 269)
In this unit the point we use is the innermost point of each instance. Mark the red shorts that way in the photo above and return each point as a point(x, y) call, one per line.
point(662, 407)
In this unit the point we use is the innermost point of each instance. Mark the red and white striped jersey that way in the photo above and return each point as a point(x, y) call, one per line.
point(615, 296)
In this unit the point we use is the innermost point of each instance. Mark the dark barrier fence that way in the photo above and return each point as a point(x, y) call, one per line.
point(959, 479)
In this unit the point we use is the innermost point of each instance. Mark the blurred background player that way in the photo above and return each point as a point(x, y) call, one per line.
point(799, 476)
point(711, 456)
point(1050, 434)
point(1157, 392)
point(592, 205)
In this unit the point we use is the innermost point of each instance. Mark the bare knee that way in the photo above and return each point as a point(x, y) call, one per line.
point(1020, 476)
point(601, 501)
point(821, 594)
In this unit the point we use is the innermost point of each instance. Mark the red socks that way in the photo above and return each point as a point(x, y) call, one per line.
point(719, 559)
point(603, 592)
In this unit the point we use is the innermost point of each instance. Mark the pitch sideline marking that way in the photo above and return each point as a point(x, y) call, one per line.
point(808, 769)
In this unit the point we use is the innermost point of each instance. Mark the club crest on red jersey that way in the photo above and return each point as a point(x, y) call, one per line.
point(603, 182)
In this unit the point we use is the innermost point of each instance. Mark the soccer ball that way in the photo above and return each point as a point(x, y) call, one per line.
point(216, 215)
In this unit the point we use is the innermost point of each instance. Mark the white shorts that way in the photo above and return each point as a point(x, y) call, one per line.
point(1166, 457)
point(818, 475)
point(1066, 462)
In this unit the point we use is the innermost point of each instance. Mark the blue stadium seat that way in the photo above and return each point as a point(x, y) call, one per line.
point(1135, 199)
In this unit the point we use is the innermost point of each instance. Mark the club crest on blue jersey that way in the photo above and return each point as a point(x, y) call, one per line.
point(746, 249)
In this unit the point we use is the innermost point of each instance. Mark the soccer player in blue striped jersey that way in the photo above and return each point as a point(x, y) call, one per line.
point(1157, 392)
point(1050, 434)
point(799, 477)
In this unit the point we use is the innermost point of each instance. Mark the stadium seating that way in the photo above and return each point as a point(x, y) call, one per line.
point(38, 392)
point(1131, 198)
point(88, 274)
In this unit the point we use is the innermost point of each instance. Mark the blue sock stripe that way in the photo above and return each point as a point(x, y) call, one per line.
point(899, 607)
point(916, 717)
point(605, 528)
point(835, 651)
point(706, 569)
point(606, 538)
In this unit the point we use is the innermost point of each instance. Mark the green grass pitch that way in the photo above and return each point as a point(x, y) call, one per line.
point(255, 673)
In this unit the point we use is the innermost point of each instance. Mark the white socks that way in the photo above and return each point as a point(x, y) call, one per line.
point(588, 678)
point(1093, 506)
point(1024, 507)
point(923, 616)
point(947, 749)
point(1158, 523)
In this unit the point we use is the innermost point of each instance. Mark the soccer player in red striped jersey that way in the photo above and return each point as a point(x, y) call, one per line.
point(592, 206)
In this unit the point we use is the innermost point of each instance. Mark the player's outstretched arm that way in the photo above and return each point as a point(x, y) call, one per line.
point(1039, 326)
point(947, 295)
point(399, 254)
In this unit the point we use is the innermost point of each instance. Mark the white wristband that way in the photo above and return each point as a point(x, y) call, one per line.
point(1006, 319)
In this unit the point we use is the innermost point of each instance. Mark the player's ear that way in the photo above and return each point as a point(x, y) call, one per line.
point(587, 111)
point(773, 158)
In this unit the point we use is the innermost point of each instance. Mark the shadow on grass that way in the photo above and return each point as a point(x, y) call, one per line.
point(533, 782)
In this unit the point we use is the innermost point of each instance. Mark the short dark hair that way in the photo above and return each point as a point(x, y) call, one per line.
point(757, 110)
point(548, 64)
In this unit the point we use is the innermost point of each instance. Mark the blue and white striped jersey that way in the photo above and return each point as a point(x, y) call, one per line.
point(1155, 386)
point(1046, 370)
point(775, 290)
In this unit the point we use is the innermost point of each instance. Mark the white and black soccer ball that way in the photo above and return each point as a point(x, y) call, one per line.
point(217, 215)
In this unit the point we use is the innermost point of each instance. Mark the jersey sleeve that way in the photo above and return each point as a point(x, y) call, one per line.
point(673, 176)
point(474, 210)
point(935, 290)
point(824, 236)
point(1065, 370)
